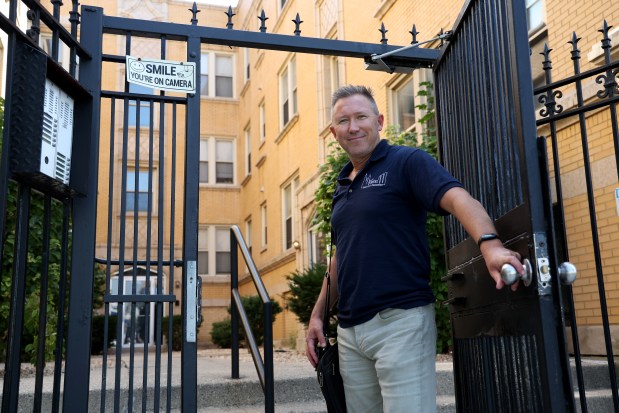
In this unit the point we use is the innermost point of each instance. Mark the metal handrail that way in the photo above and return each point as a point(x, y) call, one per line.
point(263, 368)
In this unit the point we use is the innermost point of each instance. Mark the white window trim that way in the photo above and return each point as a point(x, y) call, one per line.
point(262, 110)
point(212, 161)
point(292, 87)
point(539, 27)
point(247, 134)
point(416, 77)
point(293, 184)
point(263, 226)
point(212, 74)
point(211, 234)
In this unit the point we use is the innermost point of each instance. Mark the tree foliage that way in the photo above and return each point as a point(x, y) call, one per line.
point(427, 141)
point(304, 289)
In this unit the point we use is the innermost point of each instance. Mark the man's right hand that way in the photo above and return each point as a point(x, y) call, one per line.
point(315, 337)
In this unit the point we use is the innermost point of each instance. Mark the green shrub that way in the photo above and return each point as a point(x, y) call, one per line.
point(98, 325)
point(221, 333)
point(177, 331)
point(304, 290)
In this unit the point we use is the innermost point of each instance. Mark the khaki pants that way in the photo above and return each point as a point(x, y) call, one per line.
point(388, 363)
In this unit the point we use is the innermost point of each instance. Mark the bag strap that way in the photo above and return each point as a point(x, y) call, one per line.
point(325, 321)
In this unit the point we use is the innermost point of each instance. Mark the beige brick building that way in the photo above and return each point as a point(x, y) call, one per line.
point(264, 134)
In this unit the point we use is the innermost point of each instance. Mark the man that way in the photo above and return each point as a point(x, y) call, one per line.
point(380, 268)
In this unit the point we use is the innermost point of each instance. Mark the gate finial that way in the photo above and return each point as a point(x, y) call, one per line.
point(263, 18)
point(575, 50)
point(414, 33)
point(383, 32)
point(297, 22)
point(194, 11)
point(547, 63)
point(229, 13)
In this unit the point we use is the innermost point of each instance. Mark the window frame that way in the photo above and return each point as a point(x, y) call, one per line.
point(207, 242)
point(288, 93)
point(212, 160)
point(264, 240)
point(247, 134)
point(130, 194)
point(542, 22)
point(263, 126)
point(289, 188)
point(210, 71)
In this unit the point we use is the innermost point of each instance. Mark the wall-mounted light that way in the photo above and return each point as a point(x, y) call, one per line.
point(296, 245)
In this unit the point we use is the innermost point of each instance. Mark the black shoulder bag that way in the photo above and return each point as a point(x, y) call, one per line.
point(328, 367)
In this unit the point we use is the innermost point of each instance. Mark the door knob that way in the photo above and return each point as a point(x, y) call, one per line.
point(509, 275)
point(567, 273)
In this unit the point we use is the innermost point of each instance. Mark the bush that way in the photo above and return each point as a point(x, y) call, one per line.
point(177, 331)
point(221, 333)
point(98, 329)
point(304, 290)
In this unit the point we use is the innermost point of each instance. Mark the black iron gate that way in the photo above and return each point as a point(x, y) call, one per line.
point(509, 347)
point(142, 135)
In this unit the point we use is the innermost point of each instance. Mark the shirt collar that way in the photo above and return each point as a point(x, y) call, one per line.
point(380, 151)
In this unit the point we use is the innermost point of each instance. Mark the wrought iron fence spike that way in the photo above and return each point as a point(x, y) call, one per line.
point(194, 12)
point(414, 33)
point(263, 18)
point(229, 13)
point(575, 50)
point(383, 32)
point(297, 22)
point(547, 63)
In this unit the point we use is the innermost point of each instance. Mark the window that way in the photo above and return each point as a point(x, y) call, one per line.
point(263, 216)
point(137, 192)
point(203, 161)
point(331, 81)
point(288, 92)
point(216, 75)
point(247, 63)
point(247, 150)
point(248, 234)
point(216, 161)
point(288, 208)
point(214, 238)
point(144, 110)
point(222, 251)
point(263, 126)
point(315, 247)
point(282, 4)
point(224, 164)
point(203, 251)
point(45, 42)
point(535, 14)
point(405, 105)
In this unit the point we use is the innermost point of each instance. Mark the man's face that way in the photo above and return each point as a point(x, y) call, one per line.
point(356, 126)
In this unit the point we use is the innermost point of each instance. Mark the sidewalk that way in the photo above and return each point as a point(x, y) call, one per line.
point(296, 387)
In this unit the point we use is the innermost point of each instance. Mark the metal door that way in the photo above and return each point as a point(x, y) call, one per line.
point(509, 347)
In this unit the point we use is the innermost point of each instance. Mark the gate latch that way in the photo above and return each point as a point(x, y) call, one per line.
point(191, 289)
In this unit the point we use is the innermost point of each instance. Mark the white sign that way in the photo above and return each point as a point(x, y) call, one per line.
point(162, 74)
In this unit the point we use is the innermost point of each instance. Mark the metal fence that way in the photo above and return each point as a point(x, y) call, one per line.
point(575, 102)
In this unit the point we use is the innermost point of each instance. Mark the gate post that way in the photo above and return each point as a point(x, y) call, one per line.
point(189, 355)
point(84, 169)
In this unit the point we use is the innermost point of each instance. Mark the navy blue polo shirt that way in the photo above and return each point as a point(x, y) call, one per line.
point(378, 221)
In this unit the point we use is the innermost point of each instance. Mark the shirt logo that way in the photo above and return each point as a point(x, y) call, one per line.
point(369, 182)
